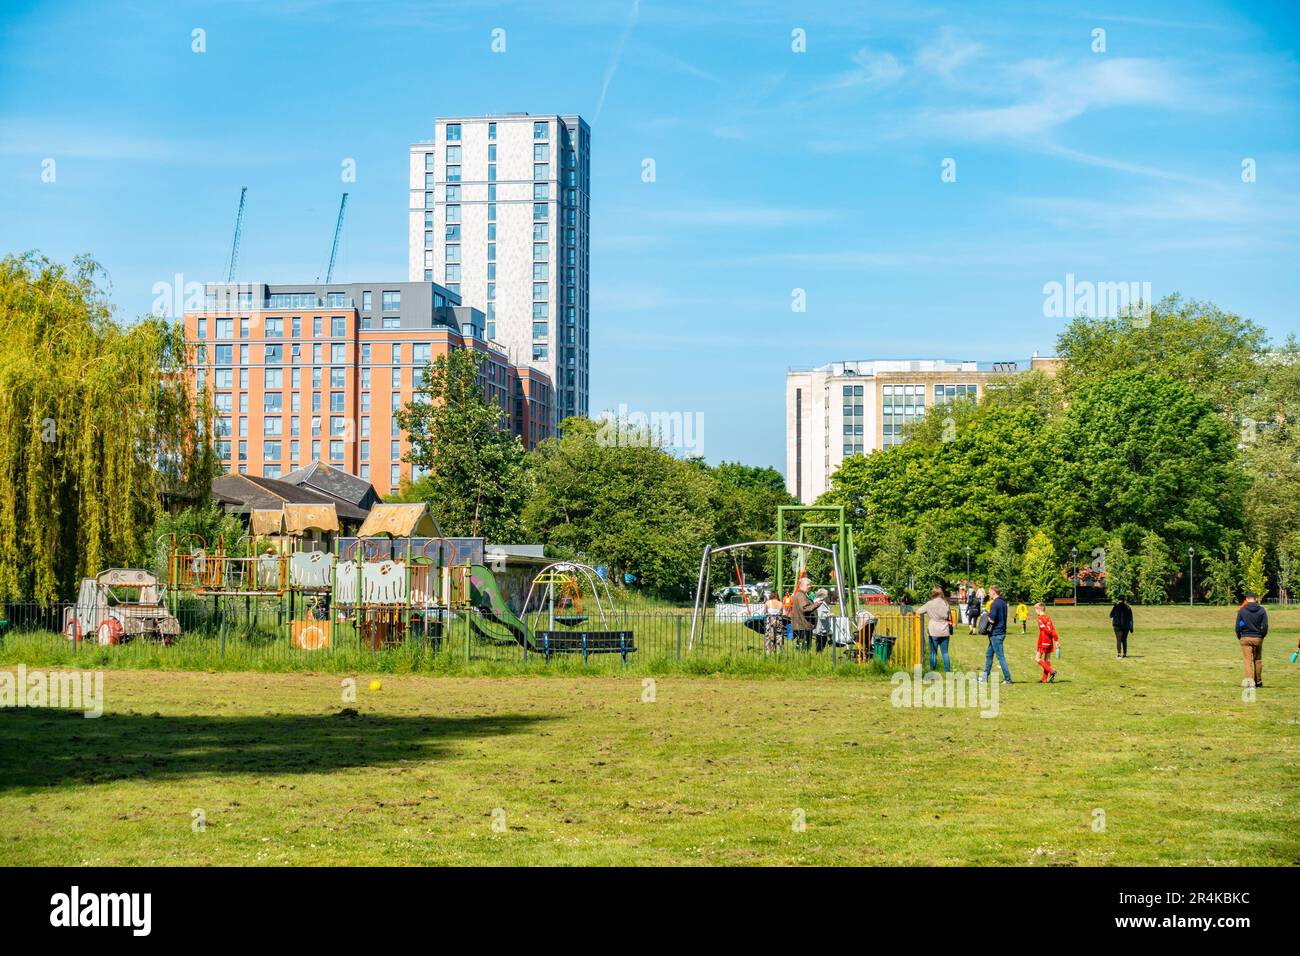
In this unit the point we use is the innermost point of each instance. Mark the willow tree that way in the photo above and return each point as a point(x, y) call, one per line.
point(97, 426)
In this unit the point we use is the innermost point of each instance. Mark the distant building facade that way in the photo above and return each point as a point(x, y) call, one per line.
point(306, 373)
point(500, 214)
point(854, 408)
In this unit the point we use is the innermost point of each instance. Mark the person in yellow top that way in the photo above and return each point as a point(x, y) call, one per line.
point(1022, 615)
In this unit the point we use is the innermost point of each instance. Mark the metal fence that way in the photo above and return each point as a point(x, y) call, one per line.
point(264, 633)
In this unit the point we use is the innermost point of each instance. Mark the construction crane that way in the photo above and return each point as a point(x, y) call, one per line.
point(234, 247)
point(334, 250)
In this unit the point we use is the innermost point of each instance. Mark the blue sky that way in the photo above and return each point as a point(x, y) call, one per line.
point(775, 170)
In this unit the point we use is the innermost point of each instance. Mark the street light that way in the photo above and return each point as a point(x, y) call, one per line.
point(1191, 577)
point(968, 565)
point(1074, 561)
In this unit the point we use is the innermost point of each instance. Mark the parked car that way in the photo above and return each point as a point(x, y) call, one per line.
point(872, 594)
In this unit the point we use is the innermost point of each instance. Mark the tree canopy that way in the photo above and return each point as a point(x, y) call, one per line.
point(97, 424)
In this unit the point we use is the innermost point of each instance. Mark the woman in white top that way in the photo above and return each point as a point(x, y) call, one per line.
point(938, 626)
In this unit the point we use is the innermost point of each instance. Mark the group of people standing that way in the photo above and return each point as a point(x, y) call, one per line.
point(988, 613)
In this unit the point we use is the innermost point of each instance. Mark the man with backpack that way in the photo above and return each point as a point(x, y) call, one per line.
point(1252, 628)
point(994, 625)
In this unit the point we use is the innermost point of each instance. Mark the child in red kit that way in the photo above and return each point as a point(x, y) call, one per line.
point(1048, 641)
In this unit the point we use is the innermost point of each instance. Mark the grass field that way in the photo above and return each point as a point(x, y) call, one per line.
point(713, 771)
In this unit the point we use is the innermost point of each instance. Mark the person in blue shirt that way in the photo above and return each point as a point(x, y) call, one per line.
point(997, 635)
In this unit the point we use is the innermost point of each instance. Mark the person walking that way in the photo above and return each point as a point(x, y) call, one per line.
point(973, 605)
point(801, 606)
point(997, 635)
point(1252, 628)
point(981, 594)
point(938, 618)
point(1048, 641)
point(1121, 620)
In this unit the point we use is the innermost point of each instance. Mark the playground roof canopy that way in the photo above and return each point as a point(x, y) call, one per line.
point(300, 518)
point(404, 520)
point(264, 521)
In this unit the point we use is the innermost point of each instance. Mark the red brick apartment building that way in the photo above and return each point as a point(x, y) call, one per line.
point(303, 373)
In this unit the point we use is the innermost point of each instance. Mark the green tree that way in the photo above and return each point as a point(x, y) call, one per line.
point(208, 522)
point(1137, 449)
point(1040, 571)
point(97, 426)
point(1153, 570)
point(1269, 434)
point(1121, 571)
point(1221, 577)
point(1213, 353)
point(928, 561)
point(889, 561)
point(744, 503)
point(635, 508)
point(1004, 561)
point(1288, 560)
point(1250, 565)
point(477, 477)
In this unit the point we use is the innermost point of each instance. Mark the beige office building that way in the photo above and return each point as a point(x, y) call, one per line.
point(854, 408)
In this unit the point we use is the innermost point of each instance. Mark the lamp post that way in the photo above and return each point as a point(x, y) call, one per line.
point(1191, 578)
point(1074, 562)
point(968, 565)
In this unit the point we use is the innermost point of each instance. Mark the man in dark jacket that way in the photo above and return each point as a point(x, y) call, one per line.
point(973, 609)
point(1121, 619)
point(998, 635)
point(1252, 628)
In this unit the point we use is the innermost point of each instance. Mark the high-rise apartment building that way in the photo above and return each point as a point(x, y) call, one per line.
point(854, 408)
point(500, 215)
point(303, 373)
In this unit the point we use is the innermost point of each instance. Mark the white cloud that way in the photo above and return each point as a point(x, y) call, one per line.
point(873, 69)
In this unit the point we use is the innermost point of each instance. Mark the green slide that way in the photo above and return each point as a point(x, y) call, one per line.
point(495, 621)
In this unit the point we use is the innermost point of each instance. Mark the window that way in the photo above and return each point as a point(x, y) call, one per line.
point(541, 171)
point(541, 310)
point(422, 353)
point(453, 273)
point(273, 355)
point(453, 154)
point(271, 450)
point(452, 235)
point(492, 130)
point(453, 214)
point(338, 377)
point(541, 191)
point(336, 299)
point(540, 330)
point(336, 451)
point(392, 301)
point(428, 200)
point(338, 327)
point(428, 160)
point(272, 426)
point(539, 353)
point(395, 449)
point(540, 270)
point(453, 174)
point(273, 378)
point(540, 290)
point(225, 328)
point(243, 328)
point(336, 424)
point(336, 401)
point(541, 231)
point(453, 253)
point(541, 152)
point(396, 377)
point(452, 193)
point(541, 130)
point(453, 132)
point(365, 451)
point(337, 351)
point(541, 250)
point(395, 475)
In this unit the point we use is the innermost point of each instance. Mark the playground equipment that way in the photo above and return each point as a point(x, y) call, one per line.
point(497, 622)
point(833, 518)
point(702, 583)
point(105, 610)
point(390, 583)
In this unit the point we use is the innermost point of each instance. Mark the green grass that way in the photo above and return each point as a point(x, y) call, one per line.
point(1185, 769)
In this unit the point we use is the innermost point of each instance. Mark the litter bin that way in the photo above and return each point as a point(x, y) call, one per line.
point(882, 646)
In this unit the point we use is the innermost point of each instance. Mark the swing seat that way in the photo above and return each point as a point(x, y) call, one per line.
point(570, 620)
point(757, 623)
